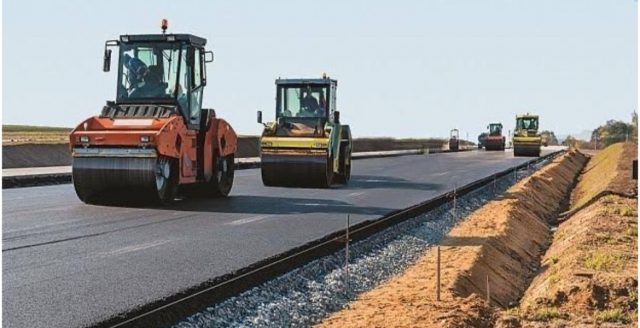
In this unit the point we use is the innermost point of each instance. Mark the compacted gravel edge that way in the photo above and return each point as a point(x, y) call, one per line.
point(312, 292)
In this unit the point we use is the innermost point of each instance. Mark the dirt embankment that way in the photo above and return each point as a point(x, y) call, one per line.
point(58, 154)
point(608, 172)
point(589, 273)
point(499, 246)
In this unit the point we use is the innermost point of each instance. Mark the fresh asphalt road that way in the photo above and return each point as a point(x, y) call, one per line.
point(67, 264)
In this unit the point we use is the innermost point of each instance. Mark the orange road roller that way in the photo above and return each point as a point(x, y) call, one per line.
point(155, 140)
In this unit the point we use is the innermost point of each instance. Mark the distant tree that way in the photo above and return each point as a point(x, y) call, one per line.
point(568, 141)
point(613, 131)
point(549, 137)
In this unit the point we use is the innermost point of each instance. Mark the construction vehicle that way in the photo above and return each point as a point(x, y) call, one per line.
point(482, 137)
point(454, 140)
point(494, 139)
point(155, 139)
point(545, 139)
point(526, 139)
point(307, 145)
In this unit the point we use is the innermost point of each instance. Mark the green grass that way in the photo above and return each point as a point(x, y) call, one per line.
point(626, 210)
point(610, 315)
point(559, 235)
point(547, 313)
point(554, 278)
point(514, 311)
point(32, 128)
point(604, 261)
point(631, 232)
point(620, 209)
point(633, 295)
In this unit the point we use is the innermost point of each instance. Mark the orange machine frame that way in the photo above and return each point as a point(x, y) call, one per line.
point(168, 136)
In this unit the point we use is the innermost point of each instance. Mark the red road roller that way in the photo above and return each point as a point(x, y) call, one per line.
point(494, 140)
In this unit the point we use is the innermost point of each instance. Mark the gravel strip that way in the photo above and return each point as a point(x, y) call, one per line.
point(310, 293)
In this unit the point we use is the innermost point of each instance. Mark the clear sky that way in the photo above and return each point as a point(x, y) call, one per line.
point(404, 68)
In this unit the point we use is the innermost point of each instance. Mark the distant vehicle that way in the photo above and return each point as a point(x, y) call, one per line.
point(526, 139)
point(495, 140)
point(482, 139)
point(454, 140)
point(307, 145)
point(545, 140)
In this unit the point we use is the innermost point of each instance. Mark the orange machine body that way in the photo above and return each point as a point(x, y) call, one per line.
point(497, 139)
point(168, 136)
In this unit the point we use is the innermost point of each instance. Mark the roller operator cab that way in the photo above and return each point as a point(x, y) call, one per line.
point(454, 140)
point(306, 145)
point(155, 139)
point(526, 139)
point(494, 139)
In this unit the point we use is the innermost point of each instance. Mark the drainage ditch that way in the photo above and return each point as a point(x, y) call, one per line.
point(311, 292)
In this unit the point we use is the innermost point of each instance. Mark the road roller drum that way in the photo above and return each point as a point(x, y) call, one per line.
point(108, 178)
point(296, 171)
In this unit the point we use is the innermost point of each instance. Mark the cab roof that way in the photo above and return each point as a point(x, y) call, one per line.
point(326, 81)
point(527, 116)
point(195, 40)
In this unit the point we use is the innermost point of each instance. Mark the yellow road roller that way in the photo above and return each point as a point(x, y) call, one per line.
point(306, 146)
point(526, 139)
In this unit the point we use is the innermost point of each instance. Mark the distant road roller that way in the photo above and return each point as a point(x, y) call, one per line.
point(494, 139)
point(526, 139)
point(307, 145)
point(482, 137)
point(454, 140)
point(155, 138)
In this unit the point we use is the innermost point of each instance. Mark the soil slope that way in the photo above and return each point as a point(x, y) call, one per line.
point(501, 243)
point(589, 273)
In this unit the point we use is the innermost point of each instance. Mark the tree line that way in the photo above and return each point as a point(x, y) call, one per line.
point(611, 132)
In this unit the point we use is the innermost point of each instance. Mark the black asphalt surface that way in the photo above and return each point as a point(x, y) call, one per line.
point(67, 264)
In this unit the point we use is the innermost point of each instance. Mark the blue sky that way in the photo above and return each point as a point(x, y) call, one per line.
point(404, 68)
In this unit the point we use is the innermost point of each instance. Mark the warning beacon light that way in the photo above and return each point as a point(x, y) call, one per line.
point(164, 24)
